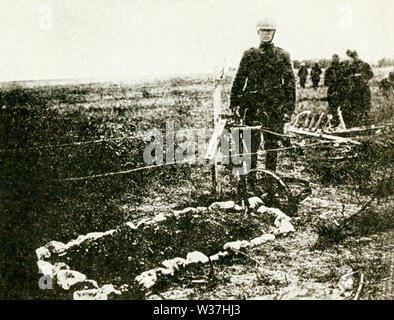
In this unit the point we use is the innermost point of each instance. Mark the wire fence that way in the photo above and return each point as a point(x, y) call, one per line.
point(78, 143)
point(191, 161)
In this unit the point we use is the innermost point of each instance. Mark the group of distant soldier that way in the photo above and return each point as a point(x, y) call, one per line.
point(348, 89)
point(315, 75)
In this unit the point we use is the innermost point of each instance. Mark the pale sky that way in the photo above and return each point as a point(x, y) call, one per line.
point(49, 39)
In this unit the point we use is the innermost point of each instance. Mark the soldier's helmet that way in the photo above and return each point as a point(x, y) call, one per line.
point(265, 24)
point(391, 76)
point(352, 54)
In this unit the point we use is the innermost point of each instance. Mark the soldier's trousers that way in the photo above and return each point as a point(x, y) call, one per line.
point(302, 82)
point(315, 82)
point(334, 102)
point(270, 142)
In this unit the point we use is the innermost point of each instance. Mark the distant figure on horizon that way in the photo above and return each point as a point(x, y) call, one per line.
point(303, 74)
point(315, 75)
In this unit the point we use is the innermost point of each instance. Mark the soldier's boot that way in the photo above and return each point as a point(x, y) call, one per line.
point(252, 182)
point(270, 182)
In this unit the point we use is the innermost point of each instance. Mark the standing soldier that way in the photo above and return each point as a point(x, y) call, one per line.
point(333, 79)
point(303, 74)
point(387, 86)
point(315, 75)
point(263, 93)
point(359, 73)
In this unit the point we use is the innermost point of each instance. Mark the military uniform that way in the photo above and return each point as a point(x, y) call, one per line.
point(387, 86)
point(303, 74)
point(336, 93)
point(359, 73)
point(264, 89)
point(315, 75)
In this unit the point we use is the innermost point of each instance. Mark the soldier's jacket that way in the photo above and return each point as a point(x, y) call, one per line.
point(332, 74)
point(360, 73)
point(387, 84)
point(334, 78)
point(264, 80)
point(316, 71)
point(303, 72)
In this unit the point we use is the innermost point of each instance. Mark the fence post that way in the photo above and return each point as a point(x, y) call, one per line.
point(217, 110)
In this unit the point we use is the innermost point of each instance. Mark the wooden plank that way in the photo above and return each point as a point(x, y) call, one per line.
point(323, 136)
point(214, 142)
point(356, 131)
point(217, 103)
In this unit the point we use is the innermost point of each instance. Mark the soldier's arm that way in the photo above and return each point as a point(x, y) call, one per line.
point(327, 77)
point(239, 81)
point(368, 72)
point(289, 86)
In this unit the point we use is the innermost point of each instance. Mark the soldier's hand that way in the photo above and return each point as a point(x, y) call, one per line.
point(235, 111)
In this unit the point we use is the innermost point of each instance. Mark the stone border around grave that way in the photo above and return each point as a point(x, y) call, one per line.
point(66, 278)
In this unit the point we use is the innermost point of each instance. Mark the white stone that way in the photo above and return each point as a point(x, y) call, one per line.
point(284, 226)
point(88, 237)
point(218, 255)
point(165, 271)
point(96, 294)
point(97, 235)
point(237, 245)
point(147, 278)
point(185, 211)
point(93, 283)
point(87, 285)
point(45, 268)
point(263, 209)
point(42, 253)
point(266, 297)
point(254, 202)
point(262, 239)
point(131, 225)
point(238, 208)
point(75, 242)
point(60, 266)
point(279, 214)
point(160, 217)
point(224, 205)
point(67, 278)
point(196, 257)
point(174, 264)
point(56, 246)
point(142, 222)
point(214, 257)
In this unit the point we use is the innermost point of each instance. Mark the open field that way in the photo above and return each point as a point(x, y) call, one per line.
point(53, 133)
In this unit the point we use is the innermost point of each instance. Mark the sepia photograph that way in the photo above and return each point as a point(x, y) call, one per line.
point(197, 150)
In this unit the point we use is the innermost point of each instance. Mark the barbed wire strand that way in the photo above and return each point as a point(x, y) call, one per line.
point(183, 162)
point(136, 136)
point(76, 143)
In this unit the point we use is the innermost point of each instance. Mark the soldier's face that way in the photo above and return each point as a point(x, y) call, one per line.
point(266, 35)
